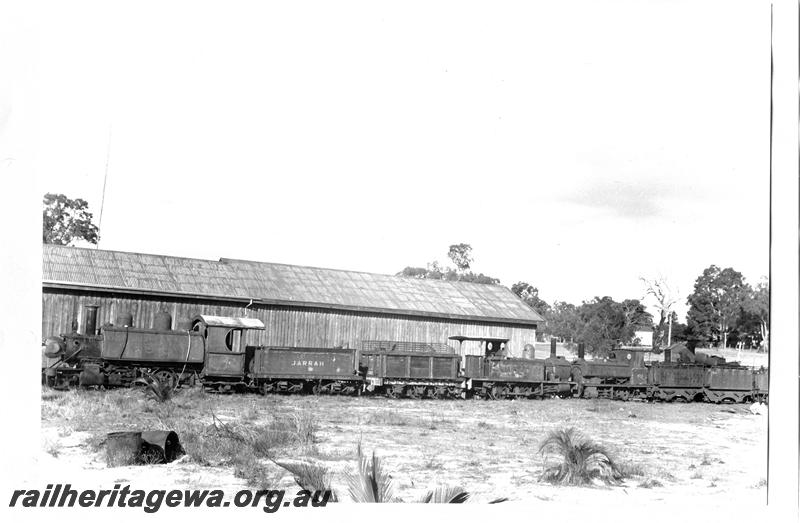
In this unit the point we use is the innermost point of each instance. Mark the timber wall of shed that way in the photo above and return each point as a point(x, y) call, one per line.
point(285, 326)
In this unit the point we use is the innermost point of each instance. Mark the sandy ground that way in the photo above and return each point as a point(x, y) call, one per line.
point(699, 453)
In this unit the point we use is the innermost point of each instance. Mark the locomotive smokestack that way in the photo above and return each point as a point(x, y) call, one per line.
point(552, 347)
point(581, 350)
point(667, 355)
point(89, 323)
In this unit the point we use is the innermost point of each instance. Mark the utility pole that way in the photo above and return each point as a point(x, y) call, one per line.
point(105, 179)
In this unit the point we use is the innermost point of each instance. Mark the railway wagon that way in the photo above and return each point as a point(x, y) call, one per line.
point(414, 370)
point(305, 369)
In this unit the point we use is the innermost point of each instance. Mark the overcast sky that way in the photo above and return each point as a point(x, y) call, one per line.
point(574, 145)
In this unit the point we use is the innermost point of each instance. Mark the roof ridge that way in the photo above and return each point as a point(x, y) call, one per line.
point(376, 290)
point(228, 261)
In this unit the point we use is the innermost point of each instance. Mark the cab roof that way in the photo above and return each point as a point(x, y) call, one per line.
point(232, 323)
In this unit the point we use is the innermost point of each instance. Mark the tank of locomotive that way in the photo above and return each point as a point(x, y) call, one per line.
point(617, 367)
point(137, 346)
point(500, 377)
point(621, 375)
point(505, 369)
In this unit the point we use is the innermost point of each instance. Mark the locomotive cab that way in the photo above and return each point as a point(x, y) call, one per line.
point(227, 356)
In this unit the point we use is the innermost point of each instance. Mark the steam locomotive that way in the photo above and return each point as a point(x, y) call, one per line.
point(208, 349)
point(211, 350)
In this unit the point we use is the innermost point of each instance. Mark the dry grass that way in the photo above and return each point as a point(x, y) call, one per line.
point(311, 476)
point(488, 448)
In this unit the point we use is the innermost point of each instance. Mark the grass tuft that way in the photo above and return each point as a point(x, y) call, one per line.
point(650, 483)
point(310, 476)
point(53, 448)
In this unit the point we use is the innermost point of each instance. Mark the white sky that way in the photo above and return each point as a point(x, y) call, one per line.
point(574, 145)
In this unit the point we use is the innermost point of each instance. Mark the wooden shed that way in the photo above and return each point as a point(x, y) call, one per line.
point(300, 306)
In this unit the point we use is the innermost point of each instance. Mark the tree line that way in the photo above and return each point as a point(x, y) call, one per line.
point(724, 310)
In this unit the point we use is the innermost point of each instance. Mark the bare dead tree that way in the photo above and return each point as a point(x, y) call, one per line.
point(665, 298)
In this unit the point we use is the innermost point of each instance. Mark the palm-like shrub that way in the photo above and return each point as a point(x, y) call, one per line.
point(159, 390)
point(369, 482)
point(445, 494)
point(580, 461)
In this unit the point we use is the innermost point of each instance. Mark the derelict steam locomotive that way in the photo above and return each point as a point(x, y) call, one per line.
point(212, 351)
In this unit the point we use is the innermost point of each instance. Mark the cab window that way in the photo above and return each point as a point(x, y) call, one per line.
point(233, 340)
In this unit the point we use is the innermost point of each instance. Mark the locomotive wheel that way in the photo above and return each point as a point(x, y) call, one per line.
point(166, 377)
point(499, 393)
point(416, 392)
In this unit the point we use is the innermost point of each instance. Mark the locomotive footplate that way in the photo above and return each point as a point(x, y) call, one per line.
point(502, 390)
point(616, 391)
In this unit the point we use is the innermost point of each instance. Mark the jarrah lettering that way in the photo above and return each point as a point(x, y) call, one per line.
point(307, 363)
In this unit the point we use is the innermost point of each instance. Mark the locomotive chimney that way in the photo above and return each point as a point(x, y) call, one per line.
point(581, 350)
point(552, 347)
point(88, 324)
point(667, 355)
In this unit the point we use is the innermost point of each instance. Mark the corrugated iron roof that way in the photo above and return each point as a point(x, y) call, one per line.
point(280, 284)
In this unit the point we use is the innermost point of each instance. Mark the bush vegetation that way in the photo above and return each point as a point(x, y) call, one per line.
point(579, 460)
